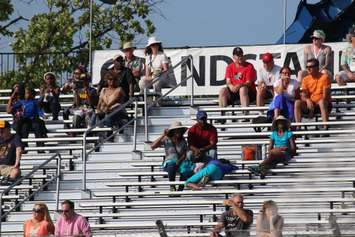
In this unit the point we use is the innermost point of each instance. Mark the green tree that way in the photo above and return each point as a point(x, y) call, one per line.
point(57, 40)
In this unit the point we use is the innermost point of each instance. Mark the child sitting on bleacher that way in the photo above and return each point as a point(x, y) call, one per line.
point(282, 147)
point(49, 95)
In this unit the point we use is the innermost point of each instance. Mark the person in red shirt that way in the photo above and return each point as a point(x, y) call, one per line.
point(202, 140)
point(240, 79)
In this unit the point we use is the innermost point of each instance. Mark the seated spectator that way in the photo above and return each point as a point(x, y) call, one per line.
point(282, 147)
point(10, 153)
point(72, 83)
point(83, 108)
point(202, 140)
point(123, 77)
point(40, 224)
point(240, 79)
point(49, 95)
point(70, 223)
point(156, 66)
point(175, 147)
point(136, 64)
point(214, 170)
point(268, 222)
point(236, 221)
point(315, 94)
point(29, 115)
point(286, 92)
point(17, 93)
point(317, 50)
point(347, 61)
point(267, 76)
point(111, 97)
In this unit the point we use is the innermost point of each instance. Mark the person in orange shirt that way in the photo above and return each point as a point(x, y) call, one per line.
point(40, 224)
point(315, 93)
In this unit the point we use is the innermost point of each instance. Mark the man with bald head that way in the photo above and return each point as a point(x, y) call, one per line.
point(236, 221)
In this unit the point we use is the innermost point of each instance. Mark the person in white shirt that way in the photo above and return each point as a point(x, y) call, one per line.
point(347, 61)
point(156, 66)
point(267, 76)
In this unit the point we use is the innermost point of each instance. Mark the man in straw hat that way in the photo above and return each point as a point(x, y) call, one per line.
point(136, 64)
point(282, 147)
point(175, 147)
point(319, 51)
point(10, 153)
point(347, 61)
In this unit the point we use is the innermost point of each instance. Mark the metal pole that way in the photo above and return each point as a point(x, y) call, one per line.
point(2, 193)
point(135, 126)
point(58, 180)
point(145, 115)
point(84, 161)
point(192, 81)
point(90, 37)
point(285, 13)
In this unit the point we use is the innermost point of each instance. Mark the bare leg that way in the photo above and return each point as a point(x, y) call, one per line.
point(260, 95)
point(223, 97)
point(244, 96)
point(323, 106)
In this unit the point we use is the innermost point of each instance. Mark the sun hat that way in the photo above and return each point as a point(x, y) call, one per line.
point(267, 57)
point(152, 40)
point(48, 73)
point(128, 45)
point(174, 126)
point(201, 115)
point(319, 34)
point(280, 118)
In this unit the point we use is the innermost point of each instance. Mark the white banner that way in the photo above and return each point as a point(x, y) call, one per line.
point(210, 63)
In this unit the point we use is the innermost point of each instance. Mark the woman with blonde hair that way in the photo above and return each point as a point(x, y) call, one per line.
point(268, 222)
point(40, 225)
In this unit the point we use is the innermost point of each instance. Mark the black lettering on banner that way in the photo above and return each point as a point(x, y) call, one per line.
point(199, 78)
point(292, 56)
point(213, 69)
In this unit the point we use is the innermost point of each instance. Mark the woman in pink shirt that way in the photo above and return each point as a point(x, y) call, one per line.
point(40, 225)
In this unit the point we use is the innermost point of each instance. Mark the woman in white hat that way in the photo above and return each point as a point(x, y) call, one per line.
point(282, 147)
point(319, 51)
point(175, 147)
point(156, 63)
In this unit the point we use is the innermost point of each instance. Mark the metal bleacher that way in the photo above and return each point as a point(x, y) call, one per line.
point(126, 190)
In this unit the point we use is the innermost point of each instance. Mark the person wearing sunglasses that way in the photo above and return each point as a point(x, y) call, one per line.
point(315, 94)
point(40, 224)
point(319, 51)
point(70, 223)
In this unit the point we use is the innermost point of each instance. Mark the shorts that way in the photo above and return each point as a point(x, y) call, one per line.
point(317, 109)
point(5, 170)
point(234, 97)
point(343, 76)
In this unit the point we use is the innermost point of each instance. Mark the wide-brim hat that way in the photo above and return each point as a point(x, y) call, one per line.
point(319, 34)
point(152, 40)
point(128, 45)
point(49, 73)
point(176, 125)
point(278, 119)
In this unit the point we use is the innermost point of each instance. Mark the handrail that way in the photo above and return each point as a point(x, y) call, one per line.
point(121, 107)
point(56, 177)
point(146, 107)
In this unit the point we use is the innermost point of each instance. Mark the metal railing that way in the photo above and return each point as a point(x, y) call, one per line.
point(56, 156)
point(146, 107)
point(132, 100)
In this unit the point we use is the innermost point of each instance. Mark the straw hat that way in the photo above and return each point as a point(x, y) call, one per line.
point(128, 45)
point(49, 73)
point(280, 118)
point(152, 40)
point(174, 126)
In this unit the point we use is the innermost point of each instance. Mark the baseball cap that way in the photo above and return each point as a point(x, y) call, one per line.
point(4, 124)
point(267, 57)
point(319, 34)
point(238, 51)
point(201, 115)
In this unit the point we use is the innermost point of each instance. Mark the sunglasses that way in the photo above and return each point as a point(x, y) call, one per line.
point(314, 38)
point(311, 66)
point(36, 210)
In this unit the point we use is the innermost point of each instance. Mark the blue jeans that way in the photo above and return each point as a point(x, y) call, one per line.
point(209, 155)
point(211, 170)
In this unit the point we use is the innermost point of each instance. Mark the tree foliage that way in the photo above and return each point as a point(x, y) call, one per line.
point(57, 39)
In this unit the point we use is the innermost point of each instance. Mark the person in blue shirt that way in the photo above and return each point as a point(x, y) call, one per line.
point(282, 147)
point(214, 170)
point(29, 117)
